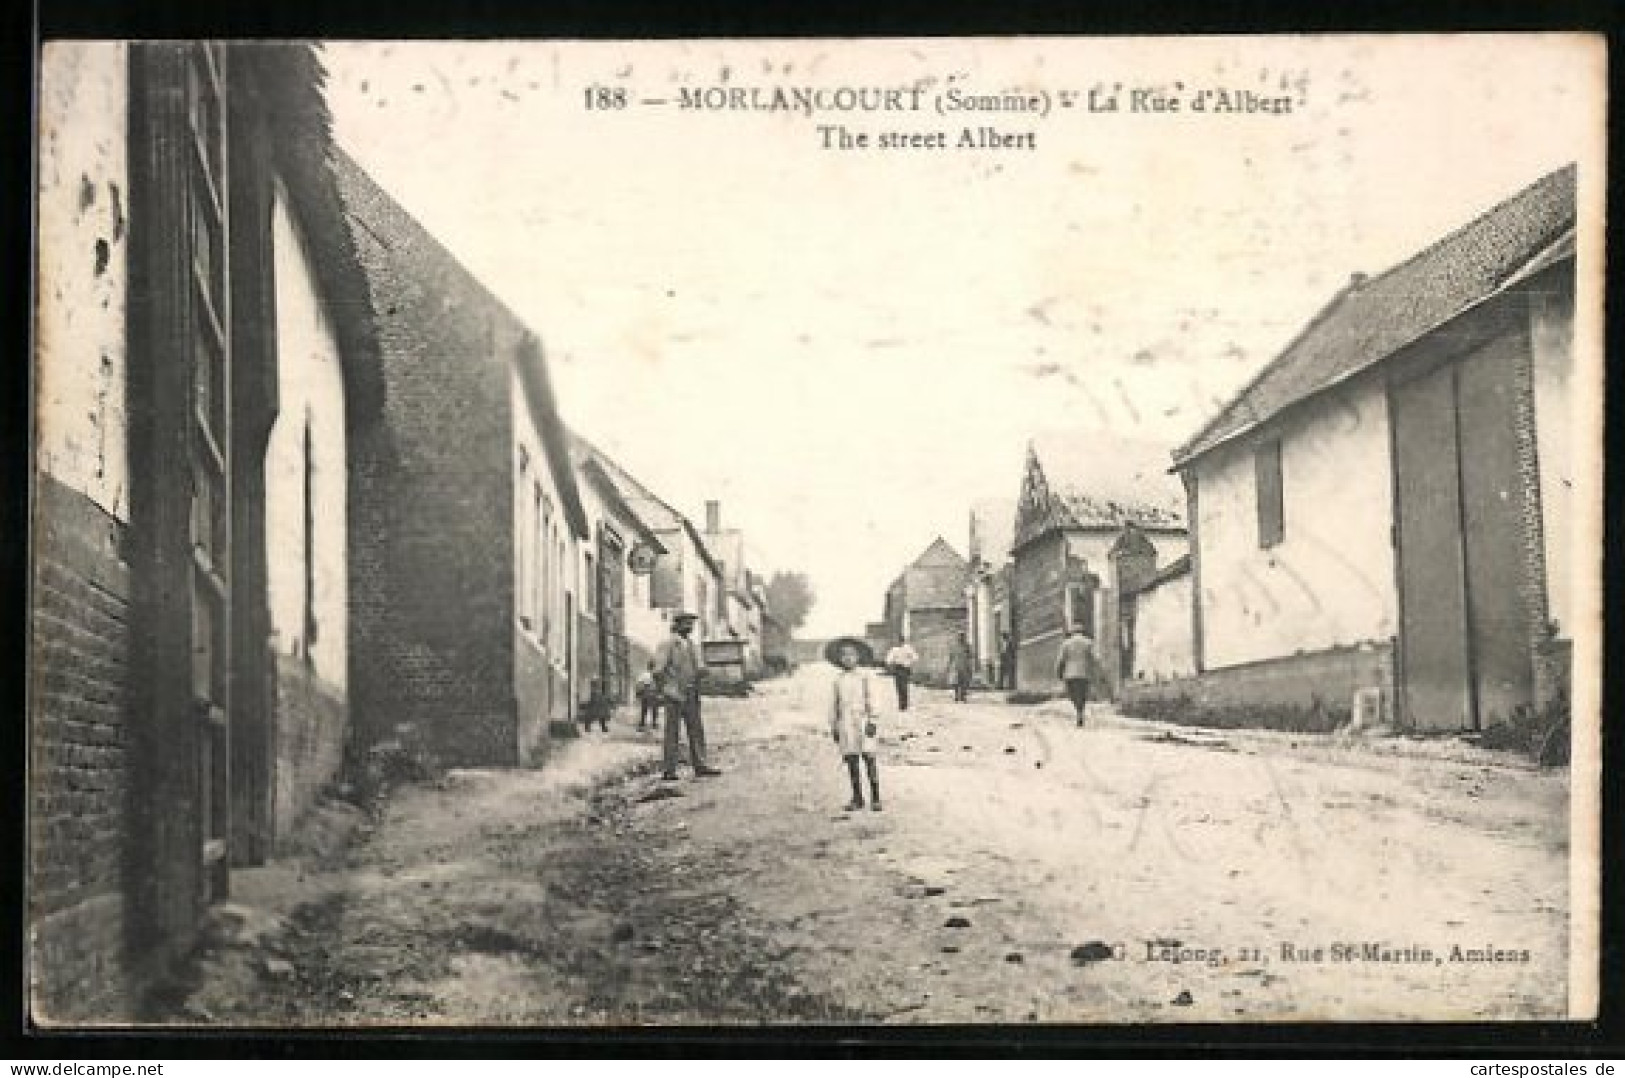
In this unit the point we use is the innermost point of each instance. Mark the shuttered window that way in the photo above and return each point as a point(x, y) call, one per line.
point(1271, 515)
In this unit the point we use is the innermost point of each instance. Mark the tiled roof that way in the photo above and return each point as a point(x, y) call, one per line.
point(1371, 320)
point(658, 516)
point(1102, 480)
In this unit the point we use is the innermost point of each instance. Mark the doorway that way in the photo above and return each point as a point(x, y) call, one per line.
point(1465, 660)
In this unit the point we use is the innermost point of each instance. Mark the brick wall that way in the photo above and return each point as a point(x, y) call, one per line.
point(78, 779)
point(431, 563)
point(1037, 600)
point(1312, 691)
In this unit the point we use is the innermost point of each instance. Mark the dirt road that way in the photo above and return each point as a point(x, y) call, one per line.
point(1023, 870)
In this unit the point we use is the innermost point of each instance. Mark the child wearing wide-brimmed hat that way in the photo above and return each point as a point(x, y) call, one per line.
point(852, 720)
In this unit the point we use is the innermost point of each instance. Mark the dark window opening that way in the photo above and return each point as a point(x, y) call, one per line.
point(1271, 507)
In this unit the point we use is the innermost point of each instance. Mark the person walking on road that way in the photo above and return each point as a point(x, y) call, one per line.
point(648, 699)
point(900, 662)
point(679, 670)
point(960, 664)
point(1074, 665)
point(1007, 661)
point(852, 721)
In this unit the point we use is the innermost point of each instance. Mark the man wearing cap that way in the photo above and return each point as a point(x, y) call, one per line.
point(678, 671)
point(1073, 667)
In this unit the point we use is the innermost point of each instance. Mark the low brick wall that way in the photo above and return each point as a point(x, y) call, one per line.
point(1312, 692)
point(312, 729)
point(79, 782)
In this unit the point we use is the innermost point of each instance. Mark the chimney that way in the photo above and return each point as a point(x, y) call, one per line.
point(713, 517)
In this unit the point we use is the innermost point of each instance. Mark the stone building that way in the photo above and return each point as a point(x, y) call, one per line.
point(926, 604)
point(684, 576)
point(1079, 492)
point(1387, 504)
point(619, 628)
point(190, 687)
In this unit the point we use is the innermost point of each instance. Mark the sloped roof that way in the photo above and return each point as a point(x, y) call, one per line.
point(655, 513)
point(290, 77)
point(399, 258)
point(1099, 479)
point(611, 494)
point(938, 555)
point(1371, 320)
point(936, 579)
point(643, 502)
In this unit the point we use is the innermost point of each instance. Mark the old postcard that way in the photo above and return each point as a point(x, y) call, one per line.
point(1022, 530)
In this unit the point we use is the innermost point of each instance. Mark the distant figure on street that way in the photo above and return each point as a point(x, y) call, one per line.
point(852, 721)
point(1007, 661)
point(900, 662)
point(1074, 665)
point(648, 699)
point(960, 665)
point(678, 671)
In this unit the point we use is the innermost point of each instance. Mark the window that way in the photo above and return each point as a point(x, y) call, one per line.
point(1079, 607)
point(1271, 515)
point(544, 567)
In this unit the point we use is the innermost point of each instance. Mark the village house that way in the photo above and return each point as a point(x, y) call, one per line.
point(987, 588)
point(684, 575)
point(742, 614)
point(466, 514)
point(190, 677)
point(1079, 493)
point(926, 604)
point(619, 630)
point(1386, 506)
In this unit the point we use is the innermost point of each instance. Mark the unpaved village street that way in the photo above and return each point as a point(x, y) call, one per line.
point(1023, 870)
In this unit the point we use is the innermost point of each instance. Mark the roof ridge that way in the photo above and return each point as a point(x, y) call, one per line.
point(1474, 249)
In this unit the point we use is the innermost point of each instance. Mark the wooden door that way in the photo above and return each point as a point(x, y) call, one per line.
point(612, 649)
point(1465, 660)
point(1492, 516)
point(1434, 659)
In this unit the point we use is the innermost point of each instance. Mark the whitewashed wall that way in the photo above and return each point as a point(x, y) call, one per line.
point(83, 275)
point(1162, 631)
point(1331, 580)
point(551, 561)
point(310, 389)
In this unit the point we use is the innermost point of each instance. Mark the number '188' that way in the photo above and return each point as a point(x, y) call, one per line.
point(605, 97)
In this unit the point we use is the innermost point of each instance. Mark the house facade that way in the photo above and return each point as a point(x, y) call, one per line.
point(189, 690)
point(926, 604)
point(987, 608)
point(1386, 505)
point(1078, 495)
point(619, 629)
point(466, 514)
point(682, 576)
point(742, 608)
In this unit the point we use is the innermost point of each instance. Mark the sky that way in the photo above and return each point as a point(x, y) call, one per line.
point(847, 348)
